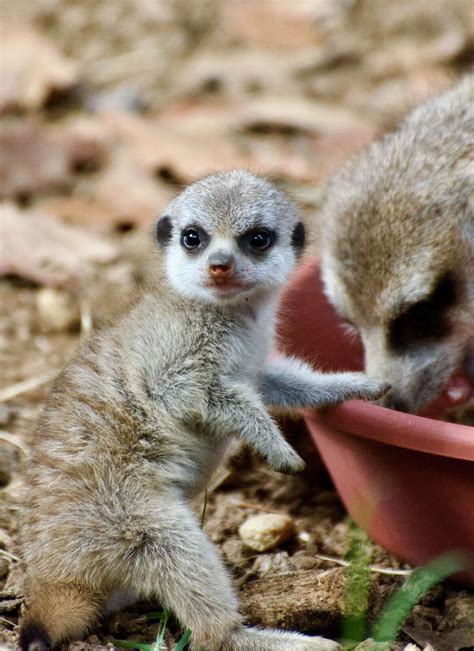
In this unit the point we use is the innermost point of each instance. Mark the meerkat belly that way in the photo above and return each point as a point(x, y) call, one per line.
point(192, 466)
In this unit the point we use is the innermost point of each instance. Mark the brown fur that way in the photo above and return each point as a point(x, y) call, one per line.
point(64, 610)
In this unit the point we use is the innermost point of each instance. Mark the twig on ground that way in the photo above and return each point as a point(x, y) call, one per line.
point(8, 555)
point(25, 386)
point(250, 505)
point(372, 568)
point(219, 476)
point(13, 440)
point(86, 317)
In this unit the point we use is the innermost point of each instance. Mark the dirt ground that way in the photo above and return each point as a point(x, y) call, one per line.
point(108, 109)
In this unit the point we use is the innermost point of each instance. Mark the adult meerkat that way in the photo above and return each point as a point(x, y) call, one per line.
point(398, 252)
point(137, 423)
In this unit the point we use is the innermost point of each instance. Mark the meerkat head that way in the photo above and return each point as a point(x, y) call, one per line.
point(398, 261)
point(229, 237)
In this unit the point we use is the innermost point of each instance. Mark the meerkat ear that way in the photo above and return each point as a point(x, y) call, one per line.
point(164, 229)
point(298, 238)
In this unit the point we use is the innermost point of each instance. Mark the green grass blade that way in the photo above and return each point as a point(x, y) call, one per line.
point(405, 598)
point(128, 644)
point(161, 630)
point(158, 614)
point(183, 640)
point(356, 597)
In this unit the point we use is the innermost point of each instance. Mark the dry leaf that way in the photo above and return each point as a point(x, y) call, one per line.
point(291, 114)
point(273, 24)
point(48, 252)
point(173, 152)
point(31, 69)
point(88, 212)
point(130, 193)
point(37, 158)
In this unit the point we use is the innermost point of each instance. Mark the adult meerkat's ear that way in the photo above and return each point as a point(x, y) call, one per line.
point(298, 238)
point(164, 230)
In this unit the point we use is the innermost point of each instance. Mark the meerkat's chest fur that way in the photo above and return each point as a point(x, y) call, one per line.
point(206, 347)
point(166, 372)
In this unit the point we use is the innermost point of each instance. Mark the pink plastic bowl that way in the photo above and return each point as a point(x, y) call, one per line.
point(407, 480)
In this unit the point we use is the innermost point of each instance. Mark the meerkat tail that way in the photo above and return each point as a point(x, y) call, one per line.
point(57, 611)
point(258, 639)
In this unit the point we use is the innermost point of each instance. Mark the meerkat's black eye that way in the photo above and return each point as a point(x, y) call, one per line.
point(190, 238)
point(426, 320)
point(257, 241)
point(260, 240)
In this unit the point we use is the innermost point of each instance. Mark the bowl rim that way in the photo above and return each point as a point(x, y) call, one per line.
point(402, 430)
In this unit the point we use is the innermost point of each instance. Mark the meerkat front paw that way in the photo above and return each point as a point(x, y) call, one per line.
point(285, 459)
point(366, 388)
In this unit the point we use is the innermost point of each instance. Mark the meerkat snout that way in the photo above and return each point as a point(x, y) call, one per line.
point(221, 266)
point(398, 252)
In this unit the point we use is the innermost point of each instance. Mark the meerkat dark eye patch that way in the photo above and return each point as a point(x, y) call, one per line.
point(298, 238)
point(164, 230)
point(426, 320)
point(257, 241)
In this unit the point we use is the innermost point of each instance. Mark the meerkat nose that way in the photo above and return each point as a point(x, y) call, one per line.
point(221, 265)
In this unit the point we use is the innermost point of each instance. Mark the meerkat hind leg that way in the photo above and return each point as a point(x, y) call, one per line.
point(183, 569)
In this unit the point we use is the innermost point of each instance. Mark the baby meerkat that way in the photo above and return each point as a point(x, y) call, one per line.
point(137, 423)
point(398, 252)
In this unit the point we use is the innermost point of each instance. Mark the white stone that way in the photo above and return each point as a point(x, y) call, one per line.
point(263, 532)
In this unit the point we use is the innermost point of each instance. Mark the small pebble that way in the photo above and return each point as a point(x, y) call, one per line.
point(304, 536)
point(275, 563)
point(264, 532)
point(57, 310)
